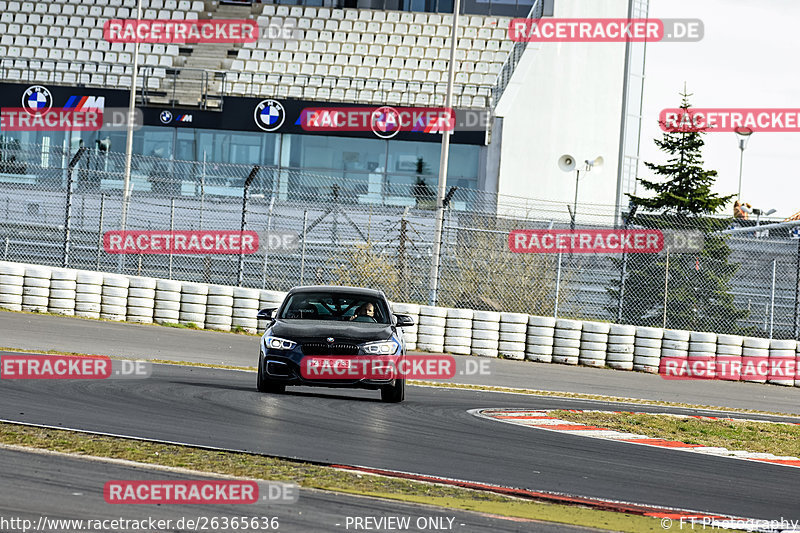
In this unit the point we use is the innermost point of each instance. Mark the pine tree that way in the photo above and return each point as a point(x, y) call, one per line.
point(698, 291)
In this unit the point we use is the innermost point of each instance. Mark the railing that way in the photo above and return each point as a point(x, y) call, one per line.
point(513, 59)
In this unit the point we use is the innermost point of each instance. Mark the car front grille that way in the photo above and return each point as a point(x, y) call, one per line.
point(322, 348)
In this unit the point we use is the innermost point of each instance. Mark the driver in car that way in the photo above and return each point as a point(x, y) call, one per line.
point(365, 313)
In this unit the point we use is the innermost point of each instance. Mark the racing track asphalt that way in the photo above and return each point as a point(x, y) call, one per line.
point(431, 433)
point(74, 490)
point(45, 332)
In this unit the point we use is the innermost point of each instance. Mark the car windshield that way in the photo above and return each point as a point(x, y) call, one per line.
point(335, 306)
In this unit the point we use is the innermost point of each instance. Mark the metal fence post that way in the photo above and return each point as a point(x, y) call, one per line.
point(797, 293)
point(558, 286)
point(666, 290)
point(303, 250)
point(5, 252)
point(171, 231)
point(68, 206)
point(100, 229)
point(772, 299)
point(247, 182)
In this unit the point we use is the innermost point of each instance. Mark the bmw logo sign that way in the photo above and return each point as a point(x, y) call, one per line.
point(269, 115)
point(166, 117)
point(37, 100)
point(330, 339)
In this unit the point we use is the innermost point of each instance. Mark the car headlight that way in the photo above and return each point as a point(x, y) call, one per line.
point(276, 343)
point(384, 348)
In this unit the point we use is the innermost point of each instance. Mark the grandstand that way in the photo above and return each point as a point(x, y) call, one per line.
point(198, 100)
point(345, 55)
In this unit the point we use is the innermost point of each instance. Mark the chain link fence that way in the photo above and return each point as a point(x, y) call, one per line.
point(365, 233)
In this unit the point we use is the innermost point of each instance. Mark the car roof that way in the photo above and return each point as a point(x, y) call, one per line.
point(360, 291)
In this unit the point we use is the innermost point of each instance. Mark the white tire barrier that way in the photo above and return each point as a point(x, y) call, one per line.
point(245, 309)
point(513, 330)
point(567, 341)
point(430, 333)
point(797, 367)
point(782, 360)
point(539, 339)
point(12, 279)
point(620, 346)
point(485, 333)
point(167, 302)
point(755, 359)
point(36, 277)
point(594, 340)
point(63, 285)
point(194, 297)
point(63, 289)
point(219, 307)
point(269, 300)
point(458, 331)
point(729, 357)
point(88, 294)
point(409, 333)
point(114, 297)
point(141, 299)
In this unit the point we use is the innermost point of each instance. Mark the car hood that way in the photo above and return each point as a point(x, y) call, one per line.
point(320, 330)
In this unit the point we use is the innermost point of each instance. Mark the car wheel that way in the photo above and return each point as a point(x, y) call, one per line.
point(265, 385)
point(394, 393)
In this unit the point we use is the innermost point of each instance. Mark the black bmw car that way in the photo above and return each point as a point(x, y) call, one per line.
point(316, 323)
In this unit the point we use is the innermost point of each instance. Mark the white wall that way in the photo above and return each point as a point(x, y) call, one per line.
point(564, 98)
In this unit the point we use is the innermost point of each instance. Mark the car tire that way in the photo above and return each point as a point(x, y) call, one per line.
point(394, 393)
point(264, 385)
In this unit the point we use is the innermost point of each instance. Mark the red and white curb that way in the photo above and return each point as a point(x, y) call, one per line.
point(543, 420)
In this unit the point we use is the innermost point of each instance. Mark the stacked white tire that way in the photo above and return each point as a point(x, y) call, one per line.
point(141, 299)
point(513, 334)
point(168, 301)
point(219, 307)
point(194, 297)
point(114, 298)
point(782, 355)
point(567, 341)
point(430, 334)
point(797, 367)
point(729, 357)
point(702, 354)
point(88, 294)
point(594, 342)
point(647, 349)
point(245, 308)
point(485, 333)
point(539, 339)
point(12, 280)
point(269, 300)
point(755, 359)
point(674, 352)
point(458, 331)
point(36, 288)
point(410, 332)
point(620, 347)
point(63, 287)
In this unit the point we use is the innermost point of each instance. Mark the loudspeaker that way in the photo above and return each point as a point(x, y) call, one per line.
point(566, 163)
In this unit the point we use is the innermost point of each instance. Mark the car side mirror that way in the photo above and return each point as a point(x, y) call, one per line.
point(266, 314)
point(403, 321)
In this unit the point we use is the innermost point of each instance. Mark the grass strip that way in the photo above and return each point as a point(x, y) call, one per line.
point(316, 477)
point(747, 435)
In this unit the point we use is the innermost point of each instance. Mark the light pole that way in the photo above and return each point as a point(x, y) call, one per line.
point(743, 134)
